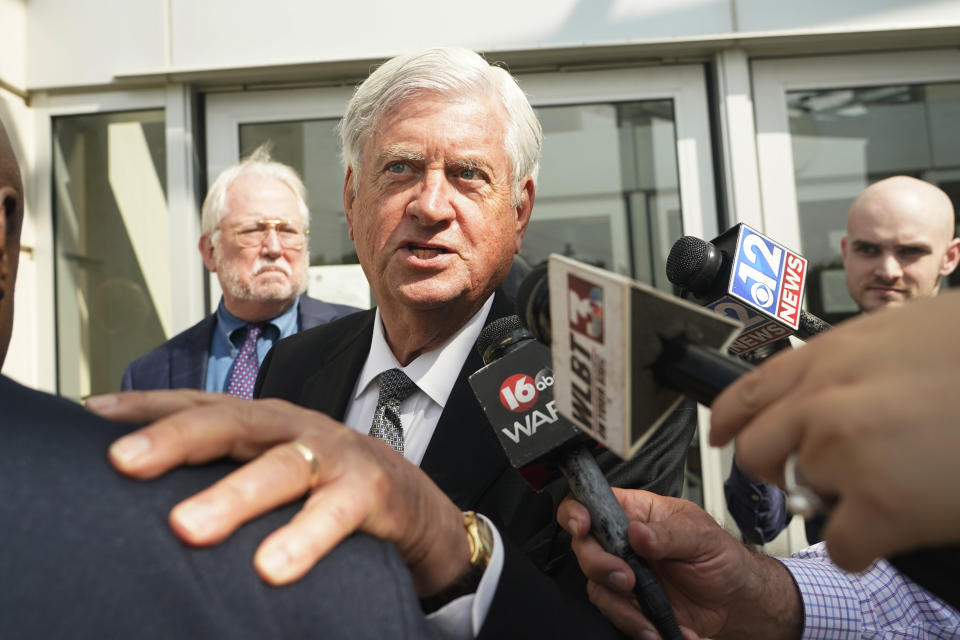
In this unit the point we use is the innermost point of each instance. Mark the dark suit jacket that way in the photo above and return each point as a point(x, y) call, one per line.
point(87, 553)
point(318, 369)
point(181, 361)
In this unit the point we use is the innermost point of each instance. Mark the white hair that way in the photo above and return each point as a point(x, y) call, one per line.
point(444, 71)
point(258, 163)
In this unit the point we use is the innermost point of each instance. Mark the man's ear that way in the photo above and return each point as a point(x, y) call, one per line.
point(4, 270)
point(349, 198)
point(524, 209)
point(10, 216)
point(207, 253)
point(951, 257)
point(843, 248)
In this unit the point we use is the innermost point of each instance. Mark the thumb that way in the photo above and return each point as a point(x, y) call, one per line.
point(681, 535)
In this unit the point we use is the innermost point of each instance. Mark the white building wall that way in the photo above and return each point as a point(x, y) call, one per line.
point(845, 15)
point(87, 43)
point(90, 43)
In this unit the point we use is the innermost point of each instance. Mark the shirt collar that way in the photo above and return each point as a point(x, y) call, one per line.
point(285, 323)
point(435, 371)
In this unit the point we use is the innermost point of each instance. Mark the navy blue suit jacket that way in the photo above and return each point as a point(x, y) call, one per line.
point(87, 553)
point(181, 361)
point(318, 369)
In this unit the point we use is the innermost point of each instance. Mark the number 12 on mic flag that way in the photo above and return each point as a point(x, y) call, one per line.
point(768, 277)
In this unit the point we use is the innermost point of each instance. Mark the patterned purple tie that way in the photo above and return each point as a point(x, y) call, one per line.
point(243, 374)
point(395, 387)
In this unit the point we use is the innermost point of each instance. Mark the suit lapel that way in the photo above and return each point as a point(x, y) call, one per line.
point(464, 456)
point(188, 361)
point(311, 313)
point(328, 389)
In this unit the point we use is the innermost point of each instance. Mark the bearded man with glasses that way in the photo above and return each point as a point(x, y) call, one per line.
point(255, 230)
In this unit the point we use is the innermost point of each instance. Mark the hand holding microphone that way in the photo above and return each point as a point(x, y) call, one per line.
point(620, 394)
point(515, 391)
point(744, 274)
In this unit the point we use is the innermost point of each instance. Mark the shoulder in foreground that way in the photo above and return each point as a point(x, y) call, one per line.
point(22, 406)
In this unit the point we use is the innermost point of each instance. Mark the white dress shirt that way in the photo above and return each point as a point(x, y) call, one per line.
point(434, 372)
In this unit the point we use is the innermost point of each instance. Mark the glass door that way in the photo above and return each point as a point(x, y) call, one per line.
point(830, 126)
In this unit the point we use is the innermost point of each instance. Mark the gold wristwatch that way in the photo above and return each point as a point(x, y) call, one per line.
point(480, 539)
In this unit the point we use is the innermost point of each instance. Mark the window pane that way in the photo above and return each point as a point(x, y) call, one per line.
point(608, 192)
point(312, 148)
point(112, 245)
point(845, 139)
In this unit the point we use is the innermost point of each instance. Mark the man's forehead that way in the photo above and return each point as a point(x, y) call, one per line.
point(891, 237)
point(448, 116)
point(892, 224)
point(251, 197)
point(460, 156)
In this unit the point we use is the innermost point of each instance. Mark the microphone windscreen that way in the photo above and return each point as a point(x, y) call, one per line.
point(498, 330)
point(528, 285)
point(693, 263)
point(811, 325)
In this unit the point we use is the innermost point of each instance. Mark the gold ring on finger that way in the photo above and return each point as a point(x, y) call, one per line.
point(311, 458)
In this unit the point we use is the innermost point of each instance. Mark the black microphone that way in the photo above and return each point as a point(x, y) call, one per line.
point(515, 389)
point(747, 276)
point(517, 398)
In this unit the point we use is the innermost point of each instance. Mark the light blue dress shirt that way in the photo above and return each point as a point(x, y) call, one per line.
point(224, 347)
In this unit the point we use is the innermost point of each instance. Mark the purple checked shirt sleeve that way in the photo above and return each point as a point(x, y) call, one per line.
point(879, 603)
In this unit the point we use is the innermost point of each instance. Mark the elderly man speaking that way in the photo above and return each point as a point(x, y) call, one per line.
point(441, 151)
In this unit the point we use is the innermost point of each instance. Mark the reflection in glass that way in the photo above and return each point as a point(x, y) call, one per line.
point(846, 139)
point(112, 246)
point(608, 192)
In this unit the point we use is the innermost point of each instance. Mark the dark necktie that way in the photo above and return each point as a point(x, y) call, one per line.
point(395, 387)
point(243, 373)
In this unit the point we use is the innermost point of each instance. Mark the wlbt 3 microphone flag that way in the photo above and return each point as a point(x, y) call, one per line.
point(624, 353)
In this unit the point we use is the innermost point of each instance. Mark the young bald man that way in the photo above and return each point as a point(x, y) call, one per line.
point(899, 244)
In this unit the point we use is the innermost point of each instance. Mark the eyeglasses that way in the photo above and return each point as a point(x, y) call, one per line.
point(253, 234)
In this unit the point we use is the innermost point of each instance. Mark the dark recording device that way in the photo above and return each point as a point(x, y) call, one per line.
point(515, 391)
point(748, 276)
